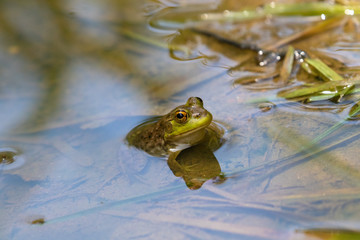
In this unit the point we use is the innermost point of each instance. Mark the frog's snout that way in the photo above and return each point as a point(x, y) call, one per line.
point(196, 115)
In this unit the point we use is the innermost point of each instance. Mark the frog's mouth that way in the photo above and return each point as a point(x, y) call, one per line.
point(190, 132)
point(189, 138)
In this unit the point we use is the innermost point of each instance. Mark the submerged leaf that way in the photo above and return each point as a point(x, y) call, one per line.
point(352, 116)
point(354, 111)
point(307, 32)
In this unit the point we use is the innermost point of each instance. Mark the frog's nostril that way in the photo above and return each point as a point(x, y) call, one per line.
point(200, 100)
point(196, 115)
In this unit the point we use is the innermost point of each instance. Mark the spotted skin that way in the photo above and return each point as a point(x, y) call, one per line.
point(185, 125)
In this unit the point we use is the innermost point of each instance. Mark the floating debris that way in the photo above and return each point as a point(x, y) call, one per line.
point(221, 178)
point(10, 158)
point(266, 106)
point(7, 157)
point(38, 221)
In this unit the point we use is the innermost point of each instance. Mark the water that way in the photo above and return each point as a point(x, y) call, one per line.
point(77, 76)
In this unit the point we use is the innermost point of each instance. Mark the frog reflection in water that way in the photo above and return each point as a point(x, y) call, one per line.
point(188, 136)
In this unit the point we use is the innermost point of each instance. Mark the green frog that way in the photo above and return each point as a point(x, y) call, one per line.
point(185, 126)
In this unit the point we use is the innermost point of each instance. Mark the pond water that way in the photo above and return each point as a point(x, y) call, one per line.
point(77, 76)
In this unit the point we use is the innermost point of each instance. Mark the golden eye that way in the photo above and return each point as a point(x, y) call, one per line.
point(180, 116)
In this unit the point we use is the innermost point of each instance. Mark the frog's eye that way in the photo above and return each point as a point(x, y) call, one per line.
point(180, 116)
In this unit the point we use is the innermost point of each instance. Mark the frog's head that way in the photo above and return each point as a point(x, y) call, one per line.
point(187, 122)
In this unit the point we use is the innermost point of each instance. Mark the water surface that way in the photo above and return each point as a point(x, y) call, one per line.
point(77, 76)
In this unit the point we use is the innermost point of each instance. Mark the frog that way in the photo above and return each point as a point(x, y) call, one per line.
point(183, 127)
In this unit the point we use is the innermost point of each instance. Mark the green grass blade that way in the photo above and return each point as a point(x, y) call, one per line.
point(323, 70)
point(281, 9)
point(331, 86)
point(321, 97)
point(305, 91)
point(311, 9)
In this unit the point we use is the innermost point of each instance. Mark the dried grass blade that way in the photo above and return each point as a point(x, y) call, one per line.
point(287, 66)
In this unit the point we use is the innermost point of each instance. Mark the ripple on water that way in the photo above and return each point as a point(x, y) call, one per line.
point(10, 158)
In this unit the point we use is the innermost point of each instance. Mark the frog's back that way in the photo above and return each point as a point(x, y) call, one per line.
point(149, 137)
